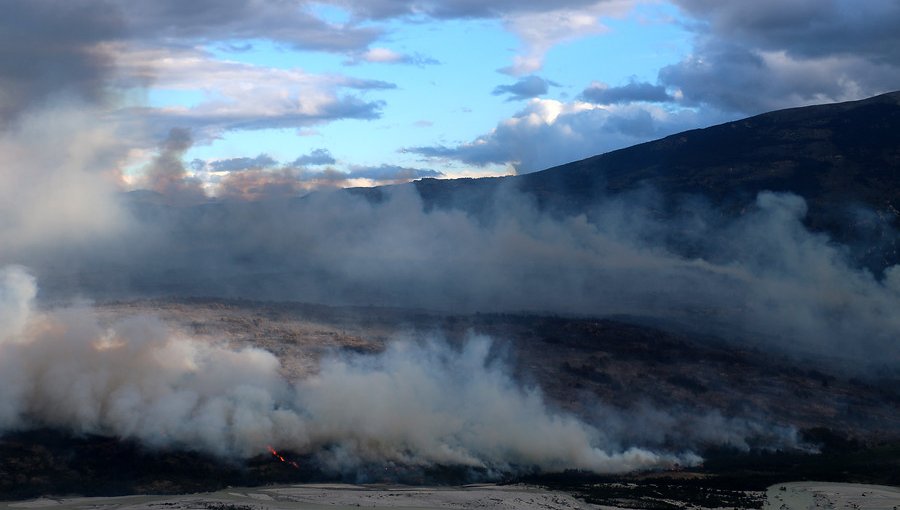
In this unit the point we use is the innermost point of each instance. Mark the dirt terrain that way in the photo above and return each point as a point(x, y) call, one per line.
point(755, 417)
point(577, 362)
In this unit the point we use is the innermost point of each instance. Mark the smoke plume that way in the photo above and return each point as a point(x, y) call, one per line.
point(761, 278)
point(416, 404)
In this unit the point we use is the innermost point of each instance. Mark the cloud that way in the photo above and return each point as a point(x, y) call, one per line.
point(261, 183)
point(258, 184)
point(600, 93)
point(540, 31)
point(239, 96)
point(316, 157)
point(444, 9)
point(391, 173)
point(291, 23)
point(526, 88)
point(256, 178)
point(228, 165)
point(388, 56)
point(53, 49)
point(736, 79)
point(754, 58)
point(539, 25)
point(549, 132)
point(806, 29)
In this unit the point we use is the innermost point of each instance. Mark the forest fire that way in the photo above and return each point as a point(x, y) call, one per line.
point(280, 457)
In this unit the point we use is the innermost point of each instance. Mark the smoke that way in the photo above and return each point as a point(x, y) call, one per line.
point(55, 49)
point(762, 278)
point(167, 175)
point(52, 199)
point(416, 404)
point(663, 429)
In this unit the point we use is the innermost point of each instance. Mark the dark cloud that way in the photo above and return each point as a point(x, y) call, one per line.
point(380, 9)
point(227, 165)
point(316, 157)
point(288, 22)
point(737, 79)
point(51, 49)
point(634, 91)
point(526, 88)
point(82, 49)
point(751, 57)
point(807, 28)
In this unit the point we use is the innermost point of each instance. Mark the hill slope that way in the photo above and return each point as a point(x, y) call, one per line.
point(840, 157)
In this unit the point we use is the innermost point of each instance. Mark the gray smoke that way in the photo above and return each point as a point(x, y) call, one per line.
point(417, 403)
point(53, 50)
point(762, 278)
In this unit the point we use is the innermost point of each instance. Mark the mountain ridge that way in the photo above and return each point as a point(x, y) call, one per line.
point(842, 158)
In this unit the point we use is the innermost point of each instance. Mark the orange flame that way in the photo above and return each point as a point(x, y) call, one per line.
point(280, 457)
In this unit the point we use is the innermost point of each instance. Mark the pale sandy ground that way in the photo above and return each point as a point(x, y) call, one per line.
point(831, 496)
point(787, 496)
point(333, 497)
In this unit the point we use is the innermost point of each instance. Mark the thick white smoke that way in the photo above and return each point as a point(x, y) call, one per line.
point(58, 178)
point(417, 403)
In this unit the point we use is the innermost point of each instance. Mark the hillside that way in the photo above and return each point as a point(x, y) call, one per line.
point(842, 158)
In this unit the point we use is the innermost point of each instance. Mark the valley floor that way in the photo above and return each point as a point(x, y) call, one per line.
point(830, 495)
point(787, 496)
point(326, 496)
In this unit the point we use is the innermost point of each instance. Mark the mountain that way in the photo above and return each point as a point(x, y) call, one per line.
point(834, 153)
point(843, 158)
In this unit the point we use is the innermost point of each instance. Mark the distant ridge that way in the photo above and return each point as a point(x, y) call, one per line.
point(837, 156)
point(843, 151)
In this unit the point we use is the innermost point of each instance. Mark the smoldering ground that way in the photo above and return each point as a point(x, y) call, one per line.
point(416, 404)
point(762, 278)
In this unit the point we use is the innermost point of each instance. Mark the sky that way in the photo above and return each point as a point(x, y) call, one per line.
point(350, 93)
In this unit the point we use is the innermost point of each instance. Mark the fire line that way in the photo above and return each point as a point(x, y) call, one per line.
point(280, 457)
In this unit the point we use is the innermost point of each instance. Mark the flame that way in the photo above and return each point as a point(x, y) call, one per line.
point(280, 457)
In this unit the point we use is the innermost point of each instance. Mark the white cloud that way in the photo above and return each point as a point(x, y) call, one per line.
point(542, 30)
point(549, 132)
point(238, 95)
point(381, 55)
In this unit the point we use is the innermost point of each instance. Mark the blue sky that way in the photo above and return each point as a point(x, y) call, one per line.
point(448, 98)
point(445, 99)
point(430, 87)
